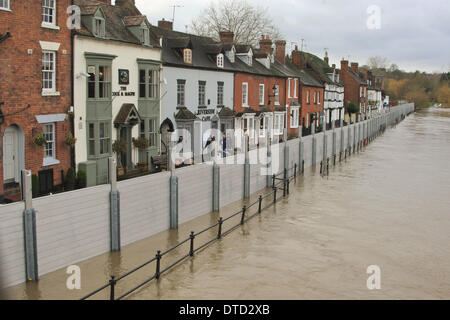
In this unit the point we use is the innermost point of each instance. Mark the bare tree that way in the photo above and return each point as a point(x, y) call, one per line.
point(377, 63)
point(248, 22)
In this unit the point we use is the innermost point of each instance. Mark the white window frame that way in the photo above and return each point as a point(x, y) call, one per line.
point(277, 95)
point(318, 97)
point(50, 160)
point(5, 5)
point(187, 56)
point(278, 123)
point(145, 34)
point(53, 16)
point(202, 93)
point(289, 88)
point(220, 93)
point(51, 90)
point(295, 88)
point(308, 97)
point(261, 94)
point(220, 61)
point(245, 94)
point(315, 97)
point(99, 30)
point(294, 117)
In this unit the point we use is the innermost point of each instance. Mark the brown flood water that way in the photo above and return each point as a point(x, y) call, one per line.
point(389, 206)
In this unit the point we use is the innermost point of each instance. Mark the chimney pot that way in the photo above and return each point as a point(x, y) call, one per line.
point(164, 24)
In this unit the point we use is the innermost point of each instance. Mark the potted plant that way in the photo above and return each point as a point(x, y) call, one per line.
point(141, 144)
point(40, 140)
point(118, 147)
point(70, 141)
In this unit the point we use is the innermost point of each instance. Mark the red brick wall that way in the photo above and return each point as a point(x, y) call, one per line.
point(292, 132)
point(21, 80)
point(253, 90)
point(310, 107)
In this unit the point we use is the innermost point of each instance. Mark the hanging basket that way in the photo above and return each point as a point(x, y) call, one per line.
point(40, 140)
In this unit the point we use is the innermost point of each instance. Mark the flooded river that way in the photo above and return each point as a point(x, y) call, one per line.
point(388, 206)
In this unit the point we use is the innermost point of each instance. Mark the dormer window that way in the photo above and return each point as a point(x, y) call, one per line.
point(220, 60)
point(187, 56)
point(249, 60)
point(232, 56)
point(145, 36)
point(99, 27)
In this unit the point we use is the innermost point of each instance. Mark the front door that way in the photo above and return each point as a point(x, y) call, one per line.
point(125, 157)
point(10, 156)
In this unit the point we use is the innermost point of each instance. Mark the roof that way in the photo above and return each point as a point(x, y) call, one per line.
point(204, 50)
point(118, 19)
point(356, 77)
point(127, 112)
point(185, 114)
point(226, 112)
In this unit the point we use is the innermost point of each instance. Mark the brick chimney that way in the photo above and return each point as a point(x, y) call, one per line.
point(123, 3)
point(326, 58)
point(280, 53)
point(105, 1)
point(226, 36)
point(298, 59)
point(355, 67)
point(344, 65)
point(265, 44)
point(164, 24)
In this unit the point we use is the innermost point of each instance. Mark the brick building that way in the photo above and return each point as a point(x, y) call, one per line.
point(355, 87)
point(35, 93)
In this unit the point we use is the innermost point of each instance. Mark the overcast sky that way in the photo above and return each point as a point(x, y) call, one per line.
point(414, 34)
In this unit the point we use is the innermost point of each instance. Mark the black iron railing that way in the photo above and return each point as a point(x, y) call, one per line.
point(306, 131)
point(244, 215)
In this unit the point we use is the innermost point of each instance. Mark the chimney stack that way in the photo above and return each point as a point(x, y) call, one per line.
point(344, 65)
point(298, 59)
point(326, 58)
point(265, 44)
point(355, 67)
point(226, 36)
point(280, 53)
point(164, 24)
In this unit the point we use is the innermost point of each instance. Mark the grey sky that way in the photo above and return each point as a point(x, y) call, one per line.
point(414, 34)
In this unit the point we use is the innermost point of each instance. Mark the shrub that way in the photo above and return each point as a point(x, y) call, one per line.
point(81, 179)
point(352, 108)
point(70, 179)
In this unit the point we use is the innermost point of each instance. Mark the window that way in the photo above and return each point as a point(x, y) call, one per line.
point(307, 97)
point(315, 97)
point(245, 94)
point(99, 27)
point(318, 97)
point(294, 117)
point(104, 138)
point(91, 139)
point(289, 87)
point(277, 95)
point(261, 94)
point(263, 126)
point(99, 81)
point(148, 83)
point(145, 36)
point(49, 135)
point(307, 120)
point(4, 4)
point(279, 124)
point(152, 133)
point(180, 92)
point(187, 55)
point(220, 61)
point(220, 91)
point(104, 82)
point(48, 71)
point(295, 88)
point(250, 60)
point(49, 12)
point(201, 93)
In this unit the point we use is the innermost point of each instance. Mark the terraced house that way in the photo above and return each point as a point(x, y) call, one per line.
point(259, 91)
point(35, 94)
point(355, 87)
point(117, 76)
point(198, 82)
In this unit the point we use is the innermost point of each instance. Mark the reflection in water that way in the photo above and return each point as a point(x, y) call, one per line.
point(386, 206)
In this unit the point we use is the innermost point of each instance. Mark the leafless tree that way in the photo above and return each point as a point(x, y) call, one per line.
point(377, 63)
point(248, 22)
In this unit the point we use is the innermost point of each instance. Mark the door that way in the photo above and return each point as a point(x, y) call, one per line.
point(10, 157)
point(124, 135)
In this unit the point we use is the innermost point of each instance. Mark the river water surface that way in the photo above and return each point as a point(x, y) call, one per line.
point(388, 205)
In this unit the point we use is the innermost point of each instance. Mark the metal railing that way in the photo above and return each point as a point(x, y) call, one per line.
point(244, 216)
